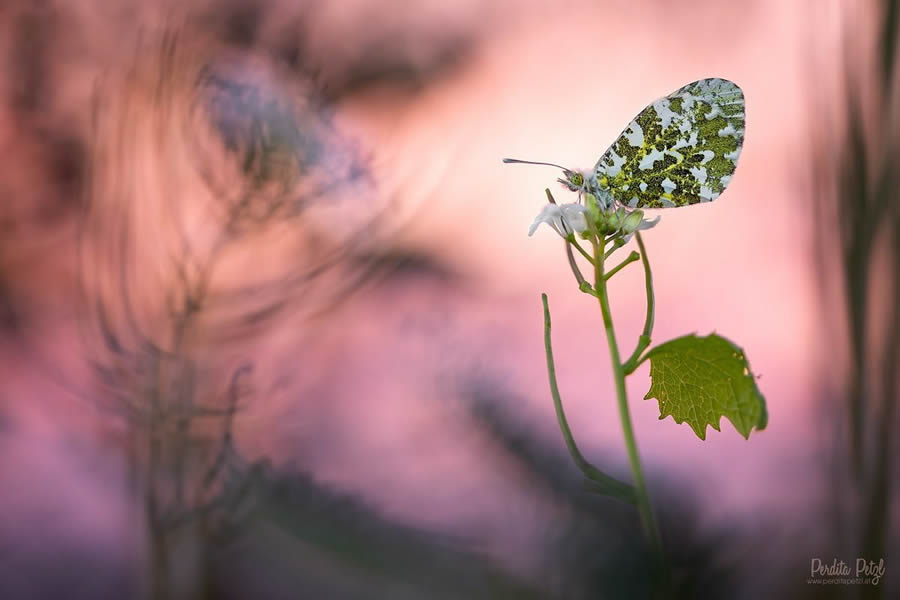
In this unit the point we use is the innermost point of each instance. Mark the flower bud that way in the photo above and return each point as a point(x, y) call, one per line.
point(614, 220)
point(631, 222)
point(593, 208)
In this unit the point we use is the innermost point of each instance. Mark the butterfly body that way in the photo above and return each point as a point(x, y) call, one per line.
point(681, 149)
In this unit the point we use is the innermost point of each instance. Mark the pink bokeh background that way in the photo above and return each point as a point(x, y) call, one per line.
point(365, 395)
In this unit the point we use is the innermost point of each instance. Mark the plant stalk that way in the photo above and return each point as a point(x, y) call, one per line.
point(648, 520)
point(635, 359)
point(605, 484)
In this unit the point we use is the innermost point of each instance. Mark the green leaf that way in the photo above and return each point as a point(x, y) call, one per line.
point(698, 380)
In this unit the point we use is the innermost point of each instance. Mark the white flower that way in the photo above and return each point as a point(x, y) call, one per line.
point(565, 219)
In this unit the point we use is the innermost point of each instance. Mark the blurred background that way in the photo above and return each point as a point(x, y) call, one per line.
point(270, 322)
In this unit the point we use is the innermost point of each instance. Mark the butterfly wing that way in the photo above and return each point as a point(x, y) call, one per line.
point(681, 149)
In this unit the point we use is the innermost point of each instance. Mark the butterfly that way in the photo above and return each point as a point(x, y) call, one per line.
point(681, 149)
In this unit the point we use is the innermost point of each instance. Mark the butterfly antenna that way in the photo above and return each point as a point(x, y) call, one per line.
point(532, 162)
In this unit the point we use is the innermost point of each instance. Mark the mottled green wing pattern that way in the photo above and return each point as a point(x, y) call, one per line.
point(680, 150)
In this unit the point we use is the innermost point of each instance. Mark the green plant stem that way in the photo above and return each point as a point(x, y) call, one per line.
point(648, 520)
point(644, 341)
point(617, 243)
point(571, 239)
point(628, 260)
point(606, 484)
point(573, 264)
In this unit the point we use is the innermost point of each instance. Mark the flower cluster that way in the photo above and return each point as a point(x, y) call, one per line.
point(589, 219)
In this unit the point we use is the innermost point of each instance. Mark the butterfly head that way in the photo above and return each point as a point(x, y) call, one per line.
point(572, 180)
point(575, 181)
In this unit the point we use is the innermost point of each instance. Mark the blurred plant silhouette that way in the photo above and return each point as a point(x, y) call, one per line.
point(857, 207)
point(195, 157)
point(208, 139)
